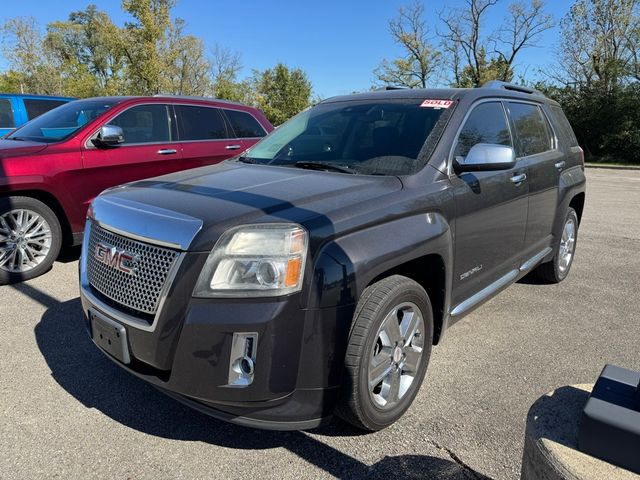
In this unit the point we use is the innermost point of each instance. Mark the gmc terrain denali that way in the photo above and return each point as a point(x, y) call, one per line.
point(312, 274)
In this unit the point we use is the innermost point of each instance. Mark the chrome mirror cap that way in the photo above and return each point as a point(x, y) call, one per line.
point(109, 135)
point(485, 156)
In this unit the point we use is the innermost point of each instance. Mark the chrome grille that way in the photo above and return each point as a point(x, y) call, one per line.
point(139, 292)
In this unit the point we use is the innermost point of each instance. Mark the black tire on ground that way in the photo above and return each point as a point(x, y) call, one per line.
point(356, 405)
point(551, 271)
point(13, 203)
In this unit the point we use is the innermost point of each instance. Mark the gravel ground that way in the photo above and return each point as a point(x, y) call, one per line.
point(68, 412)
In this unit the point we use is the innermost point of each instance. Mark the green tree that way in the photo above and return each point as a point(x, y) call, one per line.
point(420, 60)
point(474, 57)
point(86, 48)
point(11, 82)
point(23, 47)
point(281, 92)
point(225, 66)
point(144, 41)
point(187, 71)
point(600, 44)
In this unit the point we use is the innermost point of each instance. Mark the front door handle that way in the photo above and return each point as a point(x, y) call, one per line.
point(167, 151)
point(232, 147)
point(560, 165)
point(517, 179)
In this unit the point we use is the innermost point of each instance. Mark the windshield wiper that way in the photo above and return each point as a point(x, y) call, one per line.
point(324, 166)
point(20, 139)
point(246, 160)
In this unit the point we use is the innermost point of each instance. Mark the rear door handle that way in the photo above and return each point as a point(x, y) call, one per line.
point(232, 147)
point(560, 165)
point(167, 151)
point(519, 178)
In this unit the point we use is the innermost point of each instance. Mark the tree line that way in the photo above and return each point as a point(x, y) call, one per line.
point(593, 70)
point(87, 55)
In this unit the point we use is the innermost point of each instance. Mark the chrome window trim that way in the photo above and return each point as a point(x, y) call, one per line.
point(90, 146)
point(96, 303)
point(464, 121)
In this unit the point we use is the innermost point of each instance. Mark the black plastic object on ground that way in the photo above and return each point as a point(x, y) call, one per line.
point(610, 423)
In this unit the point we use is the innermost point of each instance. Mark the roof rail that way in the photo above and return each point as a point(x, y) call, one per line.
point(511, 86)
point(196, 97)
point(390, 87)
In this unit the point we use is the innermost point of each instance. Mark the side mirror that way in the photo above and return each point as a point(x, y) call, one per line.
point(485, 156)
point(109, 136)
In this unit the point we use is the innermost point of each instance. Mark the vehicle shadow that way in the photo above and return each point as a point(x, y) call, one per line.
point(96, 382)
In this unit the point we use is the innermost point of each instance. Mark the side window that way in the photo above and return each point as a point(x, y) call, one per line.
point(244, 125)
point(36, 107)
point(200, 123)
point(144, 124)
point(561, 123)
point(6, 114)
point(486, 124)
point(531, 129)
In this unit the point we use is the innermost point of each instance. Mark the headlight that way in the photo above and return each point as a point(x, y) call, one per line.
point(255, 261)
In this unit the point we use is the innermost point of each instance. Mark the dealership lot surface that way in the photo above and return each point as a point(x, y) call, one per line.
point(66, 411)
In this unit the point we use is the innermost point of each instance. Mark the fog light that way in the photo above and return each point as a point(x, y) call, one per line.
point(242, 359)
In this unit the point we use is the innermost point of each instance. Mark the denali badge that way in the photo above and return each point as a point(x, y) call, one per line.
point(114, 258)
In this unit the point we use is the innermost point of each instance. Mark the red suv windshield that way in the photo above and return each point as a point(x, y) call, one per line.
point(62, 122)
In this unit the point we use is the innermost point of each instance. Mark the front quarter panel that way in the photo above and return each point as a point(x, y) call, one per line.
point(347, 265)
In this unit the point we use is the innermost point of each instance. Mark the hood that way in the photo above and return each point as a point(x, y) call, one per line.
point(231, 194)
point(15, 148)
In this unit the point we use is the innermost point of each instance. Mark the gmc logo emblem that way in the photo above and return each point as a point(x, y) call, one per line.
point(112, 257)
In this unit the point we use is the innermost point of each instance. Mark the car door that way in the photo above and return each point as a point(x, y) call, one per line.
point(205, 137)
point(536, 149)
point(246, 129)
point(149, 149)
point(491, 207)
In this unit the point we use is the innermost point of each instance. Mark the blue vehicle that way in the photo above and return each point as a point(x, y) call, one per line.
point(18, 109)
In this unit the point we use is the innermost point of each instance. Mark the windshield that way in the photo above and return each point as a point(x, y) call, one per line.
point(369, 137)
point(63, 121)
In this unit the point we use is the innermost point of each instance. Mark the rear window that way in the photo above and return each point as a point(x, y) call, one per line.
point(36, 107)
point(244, 125)
point(562, 124)
point(532, 130)
point(368, 137)
point(6, 114)
point(201, 123)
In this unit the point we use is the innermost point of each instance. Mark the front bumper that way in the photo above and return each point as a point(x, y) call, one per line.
point(186, 351)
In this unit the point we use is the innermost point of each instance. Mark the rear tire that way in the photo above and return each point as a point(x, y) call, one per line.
point(558, 268)
point(387, 354)
point(30, 238)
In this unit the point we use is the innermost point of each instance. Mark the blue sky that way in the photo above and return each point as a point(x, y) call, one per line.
point(338, 43)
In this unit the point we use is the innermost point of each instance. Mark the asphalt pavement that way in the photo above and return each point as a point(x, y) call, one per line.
point(68, 412)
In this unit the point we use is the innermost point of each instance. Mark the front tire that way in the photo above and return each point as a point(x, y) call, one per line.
point(387, 354)
point(558, 268)
point(30, 238)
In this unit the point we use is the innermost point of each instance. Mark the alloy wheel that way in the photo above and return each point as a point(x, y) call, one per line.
point(396, 356)
point(25, 240)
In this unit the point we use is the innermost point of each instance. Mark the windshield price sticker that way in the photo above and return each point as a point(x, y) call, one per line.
point(437, 103)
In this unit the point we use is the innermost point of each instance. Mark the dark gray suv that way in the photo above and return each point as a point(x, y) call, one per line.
point(312, 274)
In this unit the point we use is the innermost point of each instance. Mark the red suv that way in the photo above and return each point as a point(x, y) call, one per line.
point(53, 167)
